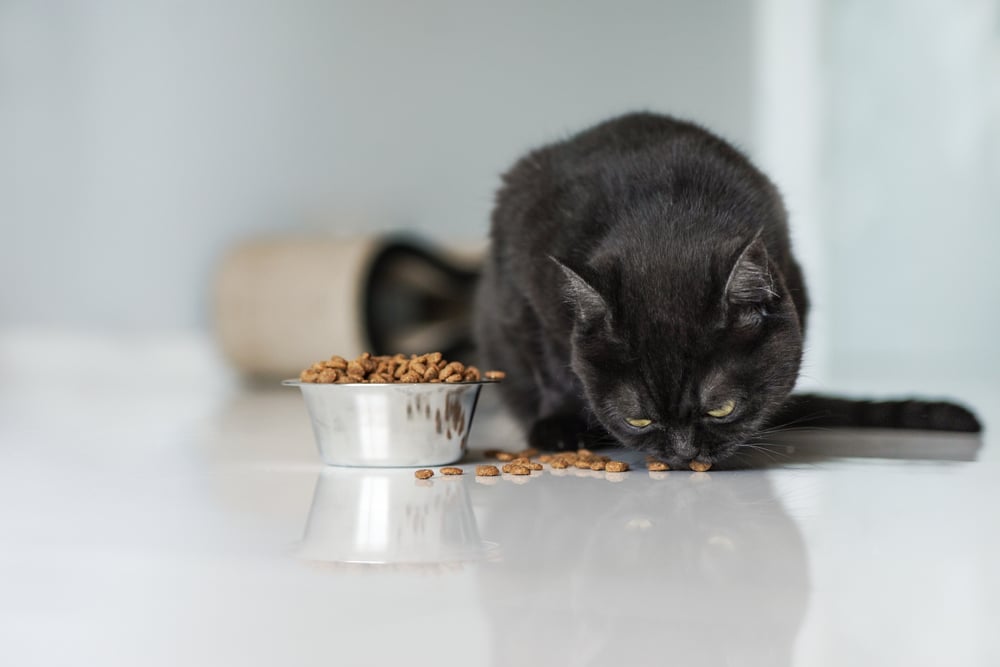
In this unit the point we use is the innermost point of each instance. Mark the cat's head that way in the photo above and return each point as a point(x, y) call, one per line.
point(686, 366)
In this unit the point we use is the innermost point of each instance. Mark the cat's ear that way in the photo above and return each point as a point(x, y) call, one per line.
point(588, 304)
point(750, 280)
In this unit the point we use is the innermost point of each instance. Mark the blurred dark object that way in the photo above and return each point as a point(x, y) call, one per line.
point(283, 303)
point(417, 301)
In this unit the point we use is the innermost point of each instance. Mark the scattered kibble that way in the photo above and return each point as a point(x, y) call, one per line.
point(616, 466)
point(423, 473)
point(451, 471)
point(700, 466)
point(598, 465)
point(518, 470)
point(504, 456)
point(495, 375)
point(657, 466)
point(487, 471)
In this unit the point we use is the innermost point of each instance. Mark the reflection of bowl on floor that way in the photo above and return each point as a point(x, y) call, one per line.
point(397, 424)
point(388, 517)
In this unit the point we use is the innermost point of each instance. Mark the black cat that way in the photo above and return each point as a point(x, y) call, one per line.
point(641, 285)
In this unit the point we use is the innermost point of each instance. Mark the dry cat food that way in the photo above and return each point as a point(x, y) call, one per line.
point(423, 473)
point(584, 459)
point(451, 471)
point(385, 369)
point(487, 471)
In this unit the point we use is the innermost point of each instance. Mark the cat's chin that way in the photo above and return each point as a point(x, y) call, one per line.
point(710, 455)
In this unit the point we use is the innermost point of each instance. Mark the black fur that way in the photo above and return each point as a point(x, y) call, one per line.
point(642, 269)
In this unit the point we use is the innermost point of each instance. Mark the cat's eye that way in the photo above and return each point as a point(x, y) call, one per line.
point(639, 423)
point(723, 410)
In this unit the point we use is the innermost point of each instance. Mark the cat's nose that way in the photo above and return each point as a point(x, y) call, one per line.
point(682, 441)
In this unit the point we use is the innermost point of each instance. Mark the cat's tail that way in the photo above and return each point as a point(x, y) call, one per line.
point(813, 410)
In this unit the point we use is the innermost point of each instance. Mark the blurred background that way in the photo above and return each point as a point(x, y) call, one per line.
point(144, 144)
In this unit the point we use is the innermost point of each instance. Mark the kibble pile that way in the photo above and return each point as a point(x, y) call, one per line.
point(385, 369)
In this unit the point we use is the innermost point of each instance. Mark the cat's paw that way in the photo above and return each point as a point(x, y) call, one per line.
point(559, 432)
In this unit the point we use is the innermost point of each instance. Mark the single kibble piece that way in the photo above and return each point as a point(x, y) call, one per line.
point(519, 470)
point(700, 466)
point(471, 374)
point(423, 473)
point(582, 464)
point(495, 375)
point(657, 466)
point(410, 377)
point(528, 453)
point(584, 453)
point(308, 375)
point(616, 466)
point(505, 456)
point(545, 458)
point(521, 460)
point(328, 376)
point(558, 464)
point(507, 467)
point(532, 465)
point(451, 471)
point(598, 465)
point(487, 471)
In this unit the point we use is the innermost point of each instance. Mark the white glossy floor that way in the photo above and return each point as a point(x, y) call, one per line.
point(151, 515)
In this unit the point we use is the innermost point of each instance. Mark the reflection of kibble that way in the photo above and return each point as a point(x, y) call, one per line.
point(423, 473)
point(657, 466)
point(487, 471)
point(451, 471)
point(616, 466)
point(700, 466)
point(385, 369)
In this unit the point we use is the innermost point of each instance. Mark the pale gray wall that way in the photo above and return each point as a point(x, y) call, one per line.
point(141, 138)
point(912, 192)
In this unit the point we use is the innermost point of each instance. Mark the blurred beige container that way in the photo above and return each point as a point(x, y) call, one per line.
point(281, 304)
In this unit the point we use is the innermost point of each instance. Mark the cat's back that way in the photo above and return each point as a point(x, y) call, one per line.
point(563, 199)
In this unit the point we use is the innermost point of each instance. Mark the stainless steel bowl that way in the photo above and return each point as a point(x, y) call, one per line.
point(388, 425)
